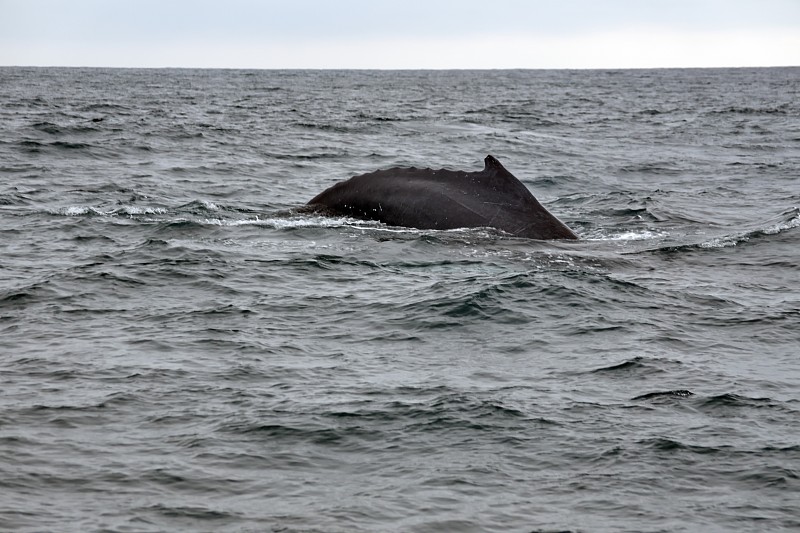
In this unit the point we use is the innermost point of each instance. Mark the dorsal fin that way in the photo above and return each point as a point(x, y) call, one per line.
point(493, 165)
point(503, 178)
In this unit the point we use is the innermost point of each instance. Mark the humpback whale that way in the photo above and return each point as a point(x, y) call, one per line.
point(423, 198)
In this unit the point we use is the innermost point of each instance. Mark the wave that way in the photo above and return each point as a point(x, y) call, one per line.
point(787, 221)
point(291, 222)
point(199, 206)
point(345, 425)
point(32, 292)
point(207, 213)
point(641, 235)
point(657, 169)
point(55, 129)
point(104, 107)
point(30, 145)
point(790, 220)
point(197, 212)
point(783, 109)
point(131, 210)
point(729, 400)
point(637, 366)
point(664, 395)
point(14, 199)
point(725, 404)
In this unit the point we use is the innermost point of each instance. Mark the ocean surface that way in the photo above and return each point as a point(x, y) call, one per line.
point(182, 350)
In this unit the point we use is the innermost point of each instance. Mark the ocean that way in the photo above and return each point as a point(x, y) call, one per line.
point(181, 349)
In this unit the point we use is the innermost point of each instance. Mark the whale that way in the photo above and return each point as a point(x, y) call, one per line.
point(428, 199)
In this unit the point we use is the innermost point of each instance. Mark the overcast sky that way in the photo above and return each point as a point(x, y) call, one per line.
point(400, 34)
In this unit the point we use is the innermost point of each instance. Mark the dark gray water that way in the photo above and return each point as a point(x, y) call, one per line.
point(181, 352)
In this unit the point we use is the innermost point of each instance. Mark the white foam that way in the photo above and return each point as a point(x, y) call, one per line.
point(136, 210)
point(789, 224)
point(73, 211)
point(631, 236)
point(724, 242)
point(130, 210)
point(289, 223)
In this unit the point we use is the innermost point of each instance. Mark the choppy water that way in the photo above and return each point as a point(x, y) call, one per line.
point(181, 352)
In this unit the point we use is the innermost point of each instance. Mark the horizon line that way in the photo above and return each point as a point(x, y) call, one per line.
point(401, 69)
